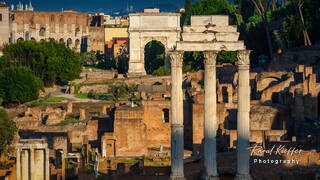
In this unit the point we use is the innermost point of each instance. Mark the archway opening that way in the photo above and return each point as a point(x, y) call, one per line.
point(61, 41)
point(20, 40)
point(69, 43)
point(165, 115)
point(154, 56)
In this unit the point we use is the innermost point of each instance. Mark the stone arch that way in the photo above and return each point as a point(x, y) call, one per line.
point(33, 39)
point(61, 40)
point(77, 31)
point(69, 43)
point(20, 39)
point(154, 53)
point(143, 30)
point(42, 31)
point(42, 40)
point(77, 44)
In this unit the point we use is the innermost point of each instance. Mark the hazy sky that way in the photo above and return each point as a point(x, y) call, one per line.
point(95, 5)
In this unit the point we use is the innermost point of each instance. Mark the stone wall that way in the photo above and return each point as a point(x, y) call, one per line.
point(130, 132)
point(4, 24)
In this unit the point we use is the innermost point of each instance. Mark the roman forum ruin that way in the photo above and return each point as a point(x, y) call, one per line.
point(187, 126)
point(209, 34)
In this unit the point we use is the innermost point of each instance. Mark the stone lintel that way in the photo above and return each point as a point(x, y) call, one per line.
point(209, 46)
point(195, 29)
point(173, 30)
point(155, 14)
point(222, 20)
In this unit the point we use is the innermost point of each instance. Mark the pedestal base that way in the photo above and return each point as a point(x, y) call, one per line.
point(136, 74)
point(177, 178)
point(243, 177)
point(210, 178)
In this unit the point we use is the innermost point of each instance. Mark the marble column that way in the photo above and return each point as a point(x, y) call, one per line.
point(18, 165)
point(47, 164)
point(32, 167)
point(63, 166)
point(25, 175)
point(210, 116)
point(177, 146)
point(243, 118)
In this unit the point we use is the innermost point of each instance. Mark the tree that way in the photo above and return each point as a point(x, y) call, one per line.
point(89, 59)
point(116, 91)
point(7, 133)
point(19, 85)
point(306, 39)
point(131, 92)
point(262, 7)
point(48, 60)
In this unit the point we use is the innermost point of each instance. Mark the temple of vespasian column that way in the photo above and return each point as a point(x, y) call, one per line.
point(209, 34)
point(32, 160)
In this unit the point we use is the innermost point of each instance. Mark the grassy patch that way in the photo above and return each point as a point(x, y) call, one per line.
point(150, 162)
point(56, 99)
point(42, 103)
point(82, 95)
point(128, 161)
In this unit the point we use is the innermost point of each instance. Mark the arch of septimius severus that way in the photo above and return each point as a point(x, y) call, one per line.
point(209, 34)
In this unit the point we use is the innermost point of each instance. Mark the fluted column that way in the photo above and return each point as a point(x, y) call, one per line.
point(243, 122)
point(210, 116)
point(18, 164)
point(32, 169)
point(177, 146)
point(47, 170)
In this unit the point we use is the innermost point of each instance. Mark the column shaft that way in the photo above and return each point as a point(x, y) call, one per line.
point(47, 168)
point(177, 144)
point(32, 169)
point(18, 164)
point(243, 122)
point(210, 116)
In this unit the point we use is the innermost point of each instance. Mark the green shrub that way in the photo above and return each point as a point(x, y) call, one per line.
point(7, 132)
point(161, 71)
point(227, 57)
point(48, 60)
point(19, 85)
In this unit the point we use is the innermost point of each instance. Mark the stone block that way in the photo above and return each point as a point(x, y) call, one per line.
point(218, 20)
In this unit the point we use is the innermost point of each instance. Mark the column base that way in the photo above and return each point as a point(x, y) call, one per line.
point(136, 74)
point(243, 177)
point(172, 177)
point(210, 177)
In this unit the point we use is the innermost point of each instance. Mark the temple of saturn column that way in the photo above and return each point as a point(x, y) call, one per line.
point(209, 34)
point(32, 160)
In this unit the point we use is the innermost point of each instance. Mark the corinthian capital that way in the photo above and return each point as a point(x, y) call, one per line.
point(244, 57)
point(210, 57)
point(176, 58)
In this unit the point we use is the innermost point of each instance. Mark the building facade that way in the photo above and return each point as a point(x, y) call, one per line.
point(4, 24)
point(69, 27)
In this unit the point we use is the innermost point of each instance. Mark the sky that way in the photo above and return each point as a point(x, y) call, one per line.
point(92, 6)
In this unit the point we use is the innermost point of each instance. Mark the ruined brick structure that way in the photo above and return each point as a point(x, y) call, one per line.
point(68, 27)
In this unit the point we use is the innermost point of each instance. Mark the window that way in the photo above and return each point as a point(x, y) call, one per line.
point(0, 17)
point(52, 18)
point(165, 115)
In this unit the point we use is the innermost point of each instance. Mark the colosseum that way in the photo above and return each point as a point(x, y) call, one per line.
point(69, 27)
